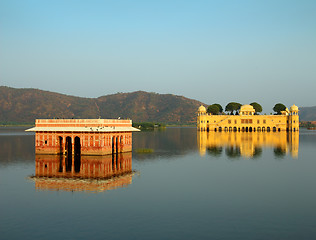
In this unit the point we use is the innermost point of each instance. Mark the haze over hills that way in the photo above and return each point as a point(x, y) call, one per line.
point(25, 105)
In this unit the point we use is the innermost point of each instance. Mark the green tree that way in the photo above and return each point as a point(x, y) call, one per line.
point(219, 107)
point(278, 108)
point(256, 106)
point(232, 106)
point(213, 109)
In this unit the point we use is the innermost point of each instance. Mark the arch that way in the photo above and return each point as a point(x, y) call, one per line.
point(263, 129)
point(246, 129)
point(243, 129)
point(254, 129)
point(268, 129)
point(274, 129)
point(113, 145)
point(225, 129)
point(61, 147)
point(250, 129)
point(239, 129)
point(117, 145)
point(279, 129)
point(68, 153)
point(220, 129)
point(230, 129)
point(207, 129)
point(77, 154)
point(215, 129)
point(259, 129)
point(235, 129)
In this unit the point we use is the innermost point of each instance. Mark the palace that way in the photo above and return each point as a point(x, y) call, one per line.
point(247, 121)
point(73, 137)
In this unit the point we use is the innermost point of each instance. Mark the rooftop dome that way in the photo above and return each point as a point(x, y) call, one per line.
point(294, 108)
point(202, 109)
point(247, 108)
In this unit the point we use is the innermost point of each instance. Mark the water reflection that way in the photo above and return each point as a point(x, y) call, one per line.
point(83, 173)
point(248, 144)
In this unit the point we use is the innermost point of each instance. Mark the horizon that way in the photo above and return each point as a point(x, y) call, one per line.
point(206, 104)
point(212, 52)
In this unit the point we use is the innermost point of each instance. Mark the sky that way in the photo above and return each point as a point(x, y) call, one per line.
point(211, 51)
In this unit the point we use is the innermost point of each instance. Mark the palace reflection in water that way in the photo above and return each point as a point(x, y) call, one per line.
point(248, 144)
point(83, 173)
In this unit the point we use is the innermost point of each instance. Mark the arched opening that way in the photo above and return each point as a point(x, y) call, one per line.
point(246, 129)
point(263, 129)
point(250, 129)
point(294, 129)
point(117, 145)
point(68, 153)
point(215, 129)
point(220, 129)
point(225, 129)
point(238, 129)
point(268, 129)
point(235, 129)
point(243, 129)
point(61, 147)
point(254, 129)
point(113, 145)
point(230, 129)
point(259, 129)
point(274, 129)
point(207, 129)
point(77, 152)
point(279, 129)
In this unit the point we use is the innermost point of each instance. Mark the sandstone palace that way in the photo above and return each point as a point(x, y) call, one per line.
point(248, 121)
point(83, 136)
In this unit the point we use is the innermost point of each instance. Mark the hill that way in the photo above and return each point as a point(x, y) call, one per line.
point(307, 113)
point(25, 105)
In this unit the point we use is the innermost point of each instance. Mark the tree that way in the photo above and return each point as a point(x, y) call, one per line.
point(232, 106)
point(219, 107)
point(278, 108)
point(213, 109)
point(256, 106)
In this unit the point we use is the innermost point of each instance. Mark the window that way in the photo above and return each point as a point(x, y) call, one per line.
point(264, 121)
point(229, 121)
point(45, 141)
point(258, 121)
point(235, 121)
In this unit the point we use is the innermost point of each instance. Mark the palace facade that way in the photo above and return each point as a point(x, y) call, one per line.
point(247, 121)
point(73, 137)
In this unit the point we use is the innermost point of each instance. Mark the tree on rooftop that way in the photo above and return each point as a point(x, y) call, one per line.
point(213, 109)
point(232, 106)
point(256, 106)
point(278, 108)
point(219, 107)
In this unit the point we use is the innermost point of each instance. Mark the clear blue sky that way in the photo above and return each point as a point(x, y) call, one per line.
point(212, 51)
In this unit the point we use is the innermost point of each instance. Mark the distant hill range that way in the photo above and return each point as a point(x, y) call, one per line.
point(307, 113)
point(26, 105)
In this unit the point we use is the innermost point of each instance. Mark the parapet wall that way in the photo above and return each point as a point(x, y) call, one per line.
point(83, 123)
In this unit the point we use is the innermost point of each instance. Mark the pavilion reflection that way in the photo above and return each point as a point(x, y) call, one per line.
point(248, 144)
point(83, 173)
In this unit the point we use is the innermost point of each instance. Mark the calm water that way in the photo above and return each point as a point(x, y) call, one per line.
point(193, 186)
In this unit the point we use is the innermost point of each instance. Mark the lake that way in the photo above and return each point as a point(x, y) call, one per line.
point(191, 186)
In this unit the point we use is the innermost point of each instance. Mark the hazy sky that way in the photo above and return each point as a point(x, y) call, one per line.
point(212, 51)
